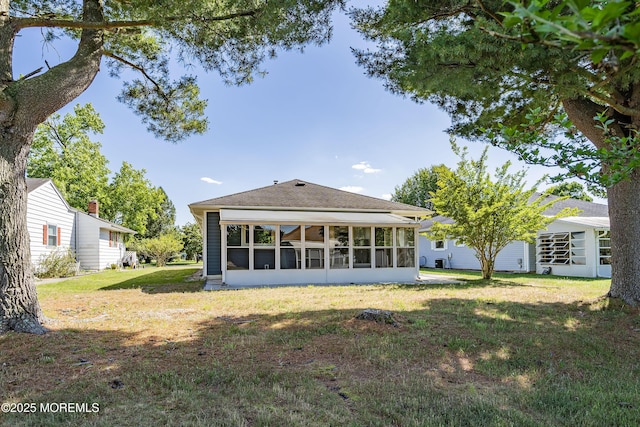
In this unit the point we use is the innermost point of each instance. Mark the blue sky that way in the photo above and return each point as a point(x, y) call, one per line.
point(316, 116)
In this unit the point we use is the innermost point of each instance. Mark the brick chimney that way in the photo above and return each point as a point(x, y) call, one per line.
point(93, 208)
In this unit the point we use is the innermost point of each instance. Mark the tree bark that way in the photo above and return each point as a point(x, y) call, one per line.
point(19, 307)
point(624, 218)
point(24, 104)
point(581, 112)
point(623, 200)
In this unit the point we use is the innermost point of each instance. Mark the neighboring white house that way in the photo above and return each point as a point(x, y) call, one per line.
point(54, 225)
point(571, 246)
point(296, 232)
point(50, 220)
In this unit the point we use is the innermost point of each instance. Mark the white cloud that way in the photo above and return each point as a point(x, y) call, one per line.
point(361, 166)
point(352, 189)
point(210, 180)
point(365, 167)
point(386, 196)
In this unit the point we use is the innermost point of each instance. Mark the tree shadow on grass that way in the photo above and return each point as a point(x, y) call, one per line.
point(458, 283)
point(476, 275)
point(456, 362)
point(164, 281)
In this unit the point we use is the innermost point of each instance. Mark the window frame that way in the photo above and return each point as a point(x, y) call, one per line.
point(407, 251)
point(314, 247)
point(241, 248)
point(604, 235)
point(342, 248)
point(561, 248)
point(55, 235)
point(291, 247)
point(384, 246)
point(434, 245)
point(361, 247)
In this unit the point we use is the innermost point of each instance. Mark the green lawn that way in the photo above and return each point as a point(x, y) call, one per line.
point(149, 347)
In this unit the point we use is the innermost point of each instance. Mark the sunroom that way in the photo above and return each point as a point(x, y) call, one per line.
point(251, 245)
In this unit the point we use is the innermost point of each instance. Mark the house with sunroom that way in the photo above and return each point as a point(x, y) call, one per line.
point(54, 225)
point(297, 232)
point(571, 246)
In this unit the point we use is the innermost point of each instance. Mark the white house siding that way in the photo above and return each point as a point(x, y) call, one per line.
point(94, 251)
point(589, 269)
point(111, 252)
point(88, 249)
point(46, 207)
point(514, 257)
point(320, 276)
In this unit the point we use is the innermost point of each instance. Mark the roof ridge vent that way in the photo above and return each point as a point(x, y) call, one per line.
point(300, 183)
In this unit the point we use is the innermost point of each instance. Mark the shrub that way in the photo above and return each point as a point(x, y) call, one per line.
point(59, 263)
point(163, 247)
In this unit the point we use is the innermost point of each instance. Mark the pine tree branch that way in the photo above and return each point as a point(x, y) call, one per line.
point(139, 69)
point(40, 96)
point(42, 22)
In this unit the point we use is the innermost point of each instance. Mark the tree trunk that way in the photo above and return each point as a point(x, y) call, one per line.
point(486, 266)
point(624, 218)
point(19, 307)
point(623, 200)
point(25, 103)
point(487, 270)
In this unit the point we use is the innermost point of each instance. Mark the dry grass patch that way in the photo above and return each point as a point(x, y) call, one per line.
point(151, 348)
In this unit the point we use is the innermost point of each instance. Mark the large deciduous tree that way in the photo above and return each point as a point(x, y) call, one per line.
point(232, 37)
point(488, 213)
point(571, 189)
point(133, 201)
point(557, 82)
point(62, 150)
point(163, 220)
point(191, 239)
point(417, 189)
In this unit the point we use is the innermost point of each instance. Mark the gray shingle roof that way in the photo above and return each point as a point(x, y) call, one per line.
point(305, 195)
point(587, 210)
point(108, 225)
point(427, 223)
point(33, 183)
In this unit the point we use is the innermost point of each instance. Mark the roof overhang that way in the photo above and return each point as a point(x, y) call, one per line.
point(106, 225)
point(199, 211)
point(116, 227)
point(589, 221)
point(250, 216)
